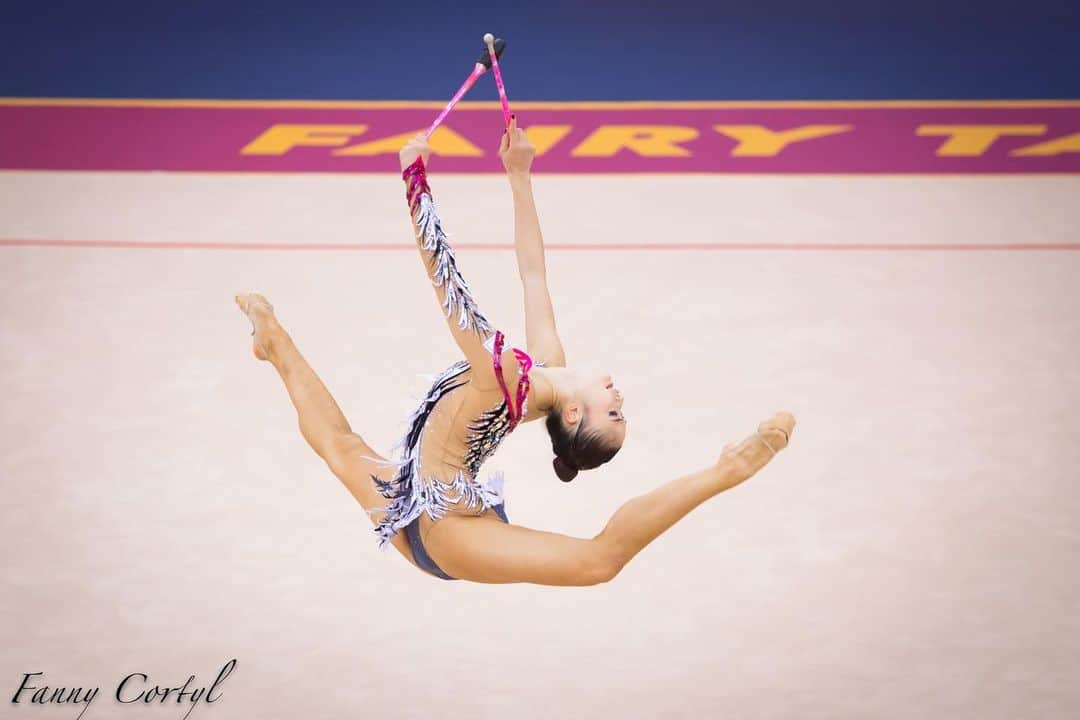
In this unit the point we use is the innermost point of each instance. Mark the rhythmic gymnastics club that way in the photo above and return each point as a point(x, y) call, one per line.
point(481, 67)
point(489, 40)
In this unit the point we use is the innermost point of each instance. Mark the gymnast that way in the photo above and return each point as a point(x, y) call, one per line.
point(429, 503)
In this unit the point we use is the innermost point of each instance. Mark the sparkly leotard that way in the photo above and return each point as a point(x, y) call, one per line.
point(463, 446)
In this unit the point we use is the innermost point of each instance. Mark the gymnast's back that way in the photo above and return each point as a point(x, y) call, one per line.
point(465, 426)
point(458, 424)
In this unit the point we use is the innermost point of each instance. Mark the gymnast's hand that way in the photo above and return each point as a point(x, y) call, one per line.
point(413, 149)
point(516, 150)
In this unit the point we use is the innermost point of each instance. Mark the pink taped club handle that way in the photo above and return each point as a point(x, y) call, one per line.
point(499, 84)
point(478, 70)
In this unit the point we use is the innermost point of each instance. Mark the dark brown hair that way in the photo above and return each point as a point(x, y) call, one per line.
point(581, 449)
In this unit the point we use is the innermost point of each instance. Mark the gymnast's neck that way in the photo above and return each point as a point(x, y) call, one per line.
point(549, 387)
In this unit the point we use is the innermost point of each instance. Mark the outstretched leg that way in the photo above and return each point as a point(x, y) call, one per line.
point(485, 550)
point(322, 423)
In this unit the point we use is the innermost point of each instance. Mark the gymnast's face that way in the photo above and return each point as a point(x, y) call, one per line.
point(603, 405)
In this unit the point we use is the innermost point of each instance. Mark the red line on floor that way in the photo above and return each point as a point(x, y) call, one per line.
point(152, 245)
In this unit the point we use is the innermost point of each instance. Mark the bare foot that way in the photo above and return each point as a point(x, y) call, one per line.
point(756, 451)
point(263, 323)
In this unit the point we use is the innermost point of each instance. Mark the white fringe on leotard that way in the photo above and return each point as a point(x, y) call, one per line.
point(411, 492)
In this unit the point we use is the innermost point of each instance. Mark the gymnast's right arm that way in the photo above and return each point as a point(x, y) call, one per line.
point(468, 326)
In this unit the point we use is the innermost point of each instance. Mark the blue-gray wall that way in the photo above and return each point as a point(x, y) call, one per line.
point(766, 49)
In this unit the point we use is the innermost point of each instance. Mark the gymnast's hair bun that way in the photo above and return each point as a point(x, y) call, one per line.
point(564, 470)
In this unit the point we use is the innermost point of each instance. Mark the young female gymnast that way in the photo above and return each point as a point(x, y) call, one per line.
point(429, 504)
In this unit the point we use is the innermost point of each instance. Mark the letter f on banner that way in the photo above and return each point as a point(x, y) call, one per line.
point(279, 139)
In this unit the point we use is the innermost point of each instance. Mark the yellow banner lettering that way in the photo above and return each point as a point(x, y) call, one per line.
point(443, 141)
point(279, 139)
point(1069, 143)
point(973, 140)
point(759, 141)
point(544, 137)
point(645, 140)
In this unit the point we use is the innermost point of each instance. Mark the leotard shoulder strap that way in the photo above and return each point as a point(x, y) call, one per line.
point(525, 363)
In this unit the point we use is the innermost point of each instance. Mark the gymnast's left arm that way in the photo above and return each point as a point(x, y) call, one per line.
point(542, 338)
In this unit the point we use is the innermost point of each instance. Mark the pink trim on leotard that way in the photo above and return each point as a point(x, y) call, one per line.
point(525, 363)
